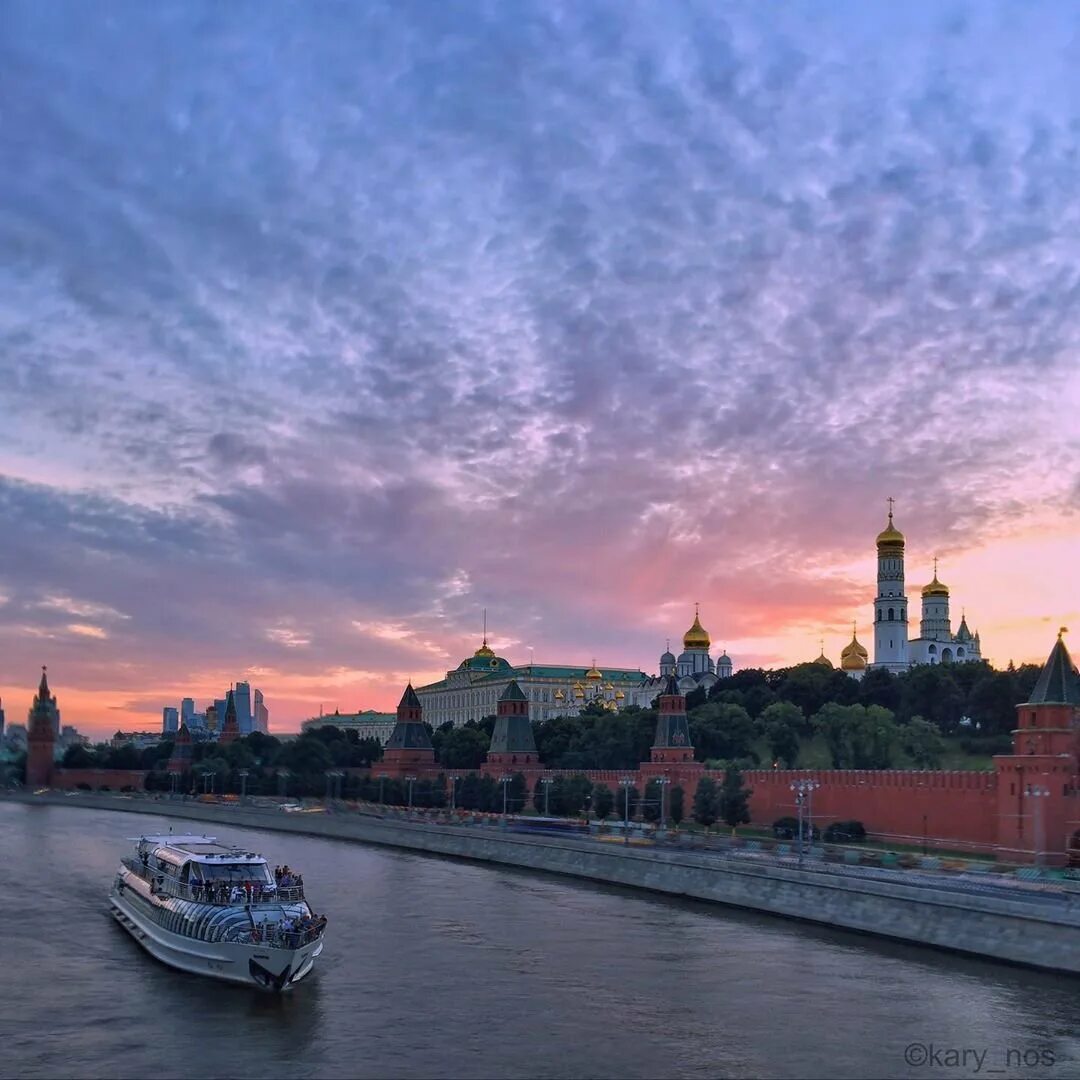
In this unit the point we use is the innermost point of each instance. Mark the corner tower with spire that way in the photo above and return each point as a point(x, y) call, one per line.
point(1037, 816)
point(41, 736)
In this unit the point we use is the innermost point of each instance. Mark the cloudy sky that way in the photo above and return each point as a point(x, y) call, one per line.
point(325, 326)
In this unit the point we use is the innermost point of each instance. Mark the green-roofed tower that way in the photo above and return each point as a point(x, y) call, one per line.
point(672, 740)
point(409, 745)
point(512, 741)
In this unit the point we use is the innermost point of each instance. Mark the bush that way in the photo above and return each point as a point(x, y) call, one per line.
point(842, 832)
point(787, 828)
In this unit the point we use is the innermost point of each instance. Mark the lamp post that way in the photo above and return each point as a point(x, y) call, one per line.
point(626, 783)
point(243, 774)
point(663, 781)
point(410, 780)
point(1037, 792)
point(804, 792)
point(174, 782)
point(453, 792)
point(505, 781)
point(547, 782)
point(382, 782)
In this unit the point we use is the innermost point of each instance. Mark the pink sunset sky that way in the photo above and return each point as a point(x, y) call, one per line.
point(324, 329)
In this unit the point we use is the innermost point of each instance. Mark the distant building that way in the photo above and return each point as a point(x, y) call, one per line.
point(46, 706)
point(367, 724)
point(210, 720)
point(187, 710)
point(261, 718)
point(1, 720)
point(170, 720)
point(242, 701)
point(69, 736)
point(15, 738)
point(139, 739)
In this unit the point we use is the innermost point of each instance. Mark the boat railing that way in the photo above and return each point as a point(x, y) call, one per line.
point(220, 892)
point(273, 936)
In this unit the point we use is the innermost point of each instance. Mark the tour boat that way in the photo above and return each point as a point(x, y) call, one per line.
point(216, 910)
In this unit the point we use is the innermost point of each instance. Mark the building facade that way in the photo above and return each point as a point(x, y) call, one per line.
point(170, 720)
point(368, 724)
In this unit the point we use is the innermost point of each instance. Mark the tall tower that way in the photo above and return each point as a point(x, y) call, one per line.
point(409, 745)
point(512, 741)
point(890, 605)
point(672, 739)
point(935, 624)
point(41, 737)
point(230, 729)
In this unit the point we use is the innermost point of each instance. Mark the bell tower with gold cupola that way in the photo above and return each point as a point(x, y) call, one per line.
point(890, 604)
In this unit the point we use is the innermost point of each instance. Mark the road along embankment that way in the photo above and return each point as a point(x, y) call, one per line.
point(1033, 930)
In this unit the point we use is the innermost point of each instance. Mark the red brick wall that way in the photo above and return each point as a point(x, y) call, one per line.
point(960, 807)
point(113, 779)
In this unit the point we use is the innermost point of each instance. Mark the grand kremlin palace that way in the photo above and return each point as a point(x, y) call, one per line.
point(472, 689)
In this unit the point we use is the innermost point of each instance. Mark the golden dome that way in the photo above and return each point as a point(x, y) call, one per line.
point(854, 654)
point(935, 588)
point(559, 695)
point(619, 695)
point(611, 706)
point(823, 660)
point(579, 690)
point(697, 637)
point(592, 674)
point(485, 651)
point(890, 536)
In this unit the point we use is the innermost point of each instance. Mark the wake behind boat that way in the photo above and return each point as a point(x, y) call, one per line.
point(215, 910)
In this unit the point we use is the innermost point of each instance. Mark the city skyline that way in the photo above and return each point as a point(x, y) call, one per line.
point(578, 314)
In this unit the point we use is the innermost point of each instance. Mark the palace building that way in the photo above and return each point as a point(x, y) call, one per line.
point(472, 690)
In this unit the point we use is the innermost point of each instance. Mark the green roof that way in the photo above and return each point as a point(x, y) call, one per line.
point(565, 671)
point(512, 735)
point(409, 700)
point(1058, 683)
point(513, 692)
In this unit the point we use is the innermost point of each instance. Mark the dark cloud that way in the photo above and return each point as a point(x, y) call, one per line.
point(323, 307)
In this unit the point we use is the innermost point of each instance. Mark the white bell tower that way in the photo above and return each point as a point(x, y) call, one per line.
point(890, 605)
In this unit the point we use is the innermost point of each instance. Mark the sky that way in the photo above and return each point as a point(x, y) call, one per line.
point(324, 327)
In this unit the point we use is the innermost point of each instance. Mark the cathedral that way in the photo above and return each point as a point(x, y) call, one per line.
point(695, 667)
point(936, 643)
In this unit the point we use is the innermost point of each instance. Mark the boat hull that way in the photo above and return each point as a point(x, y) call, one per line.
point(271, 969)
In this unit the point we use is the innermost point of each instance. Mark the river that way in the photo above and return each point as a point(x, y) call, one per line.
point(436, 968)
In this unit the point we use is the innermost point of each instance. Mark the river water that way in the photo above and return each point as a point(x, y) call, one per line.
point(439, 968)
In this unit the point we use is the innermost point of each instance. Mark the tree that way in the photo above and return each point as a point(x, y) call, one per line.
point(858, 737)
point(676, 804)
point(734, 799)
point(78, 757)
point(463, 748)
point(922, 742)
point(706, 802)
point(650, 806)
point(603, 801)
point(782, 722)
point(721, 730)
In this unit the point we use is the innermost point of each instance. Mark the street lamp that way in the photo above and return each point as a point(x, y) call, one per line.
point(1038, 792)
point(409, 780)
point(663, 781)
point(243, 774)
point(804, 792)
point(174, 782)
point(547, 781)
point(453, 792)
point(626, 783)
point(505, 781)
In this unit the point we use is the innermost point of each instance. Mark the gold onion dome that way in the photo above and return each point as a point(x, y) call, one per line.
point(485, 651)
point(697, 637)
point(890, 536)
point(592, 674)
point(854, 654)
point(935, 588)
point(619, 695)
point(579, 690)
point(823, 660)
point(559, 695)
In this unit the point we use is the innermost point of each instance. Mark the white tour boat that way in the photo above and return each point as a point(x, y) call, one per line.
point(215, 910)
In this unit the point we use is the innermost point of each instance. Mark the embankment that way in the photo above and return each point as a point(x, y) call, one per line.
point(1023, 930)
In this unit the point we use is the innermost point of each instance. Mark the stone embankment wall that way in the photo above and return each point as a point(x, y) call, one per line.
point(1015, 930)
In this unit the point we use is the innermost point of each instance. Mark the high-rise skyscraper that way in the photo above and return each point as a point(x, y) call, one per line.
point(242, 700)
point(262, 714)
point(187, 710)
point(170, 720)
